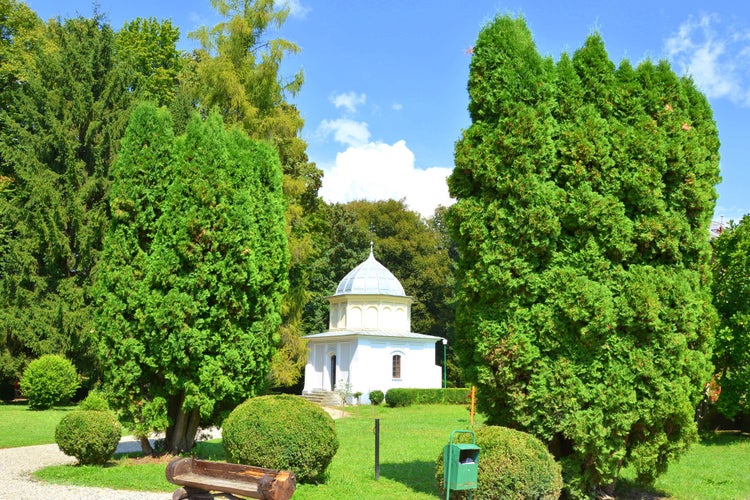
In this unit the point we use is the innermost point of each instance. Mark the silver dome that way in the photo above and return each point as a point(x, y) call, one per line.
point(370, 278)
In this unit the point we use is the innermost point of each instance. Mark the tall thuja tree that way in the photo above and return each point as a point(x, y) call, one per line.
point(237, 72)
point(504, 221)
point(61, 123)
point(583, 271)
point(196, 333)
point(140, 178)
point(731, 293)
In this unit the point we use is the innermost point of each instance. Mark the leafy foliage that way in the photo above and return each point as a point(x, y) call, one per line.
point(148, 48)
point(584, 195)
point(281, 432)
point(192, 274)
point(731, 293)
point(376, 397)
point(94, 401)
point(396, 398)
point(406, 397)
point(49, 380)
point(512, 464)
point(91, 436)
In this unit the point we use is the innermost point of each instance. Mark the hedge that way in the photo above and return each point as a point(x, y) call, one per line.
point(405, 397)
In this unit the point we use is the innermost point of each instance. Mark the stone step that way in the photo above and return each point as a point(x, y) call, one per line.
point(323, 398)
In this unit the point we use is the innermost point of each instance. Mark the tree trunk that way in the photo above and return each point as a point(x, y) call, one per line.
point(146, 446)
point(181, 434)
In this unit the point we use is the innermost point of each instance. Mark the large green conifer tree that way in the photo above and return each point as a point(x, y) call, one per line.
point(192, 276)
point(584, 194)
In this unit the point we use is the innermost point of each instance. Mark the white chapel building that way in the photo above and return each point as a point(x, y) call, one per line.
point(369, 343)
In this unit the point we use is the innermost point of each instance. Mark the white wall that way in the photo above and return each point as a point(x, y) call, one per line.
point(372, 364)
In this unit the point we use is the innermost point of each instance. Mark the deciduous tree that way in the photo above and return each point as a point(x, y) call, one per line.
point(731, 293)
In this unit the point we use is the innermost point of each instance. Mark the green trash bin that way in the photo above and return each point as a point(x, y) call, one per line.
point(460, 464)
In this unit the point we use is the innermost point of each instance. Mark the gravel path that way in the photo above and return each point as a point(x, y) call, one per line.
point(17, 464)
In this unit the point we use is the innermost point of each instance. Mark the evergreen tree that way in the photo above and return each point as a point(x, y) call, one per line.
point(68, 89)
point(192, 276)
point(236, 71)
point(61, 123)
point(584, 194)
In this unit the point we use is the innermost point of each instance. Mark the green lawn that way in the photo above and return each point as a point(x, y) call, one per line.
point(411, 439)
point(20, 426)
point(716, 468)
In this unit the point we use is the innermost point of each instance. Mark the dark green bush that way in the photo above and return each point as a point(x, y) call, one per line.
point(281, 432)
point(512, 465)
point(376, 397)
point(89, 435)
point(49, 380)
point(94, 401)
point(396, 398)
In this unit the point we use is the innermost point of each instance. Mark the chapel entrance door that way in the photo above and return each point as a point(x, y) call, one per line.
point(332, 371)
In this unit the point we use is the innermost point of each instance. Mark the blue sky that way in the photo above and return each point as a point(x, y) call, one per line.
point(385, 96)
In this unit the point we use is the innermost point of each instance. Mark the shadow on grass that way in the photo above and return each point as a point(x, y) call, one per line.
point(208, 450)
point(724, 438)
point(418, 475)
point(630, 490)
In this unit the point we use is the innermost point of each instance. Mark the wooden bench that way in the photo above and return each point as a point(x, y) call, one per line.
point(199, 478)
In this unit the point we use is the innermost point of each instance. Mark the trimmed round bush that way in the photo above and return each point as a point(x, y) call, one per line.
point(512, 464)
point(376, 397)
point(281, 432)
point(89, 435)
point(49, 380)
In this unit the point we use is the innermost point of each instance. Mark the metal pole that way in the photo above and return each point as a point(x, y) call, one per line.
point(445, 367)
point(377, 449)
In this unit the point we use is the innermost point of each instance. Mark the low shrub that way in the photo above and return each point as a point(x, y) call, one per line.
point(91, 436)
point(396, 398)
point(49, 380)
point(281, 432)
point(376, 397)
point(406, 397)
point(95, 401)
point(512, 464)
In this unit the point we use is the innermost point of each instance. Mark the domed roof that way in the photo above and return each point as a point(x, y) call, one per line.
point(370, 278)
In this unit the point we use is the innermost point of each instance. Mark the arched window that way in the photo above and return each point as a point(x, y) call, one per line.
point(396, 366)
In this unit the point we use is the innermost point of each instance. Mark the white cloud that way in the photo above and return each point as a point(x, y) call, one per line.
point(345, 131)
point(348, 100)
point(718, 61)
point(296, 9)
point(397, 106)
point(379, 171)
